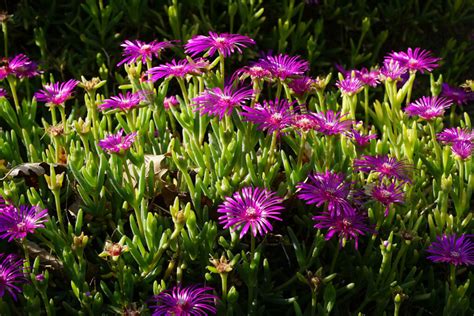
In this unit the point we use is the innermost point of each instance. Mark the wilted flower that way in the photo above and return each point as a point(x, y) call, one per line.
point(386, 167)
point(117, 143)
point(452, 249)
point(11, 275)
point(224, 43)
point(284, 66)
point(457, 95)
point(301, 86)
point(183, 301)
point(387, 194)
point(114, 249)
point(392, 69)
point(347, 226)
point(328, 187)
point(122, 102)
point(415, 60)
point(17, 223)
point(178, 69)
point(428, 108)
point(456, 134)
point(350, 86)
point(218, 102)
point(361, 140)
point(462, 149)
point(272, 116)
point(368, 77)
point(305, 122)
point(254, 72)
point(169, 102)
point(138, 50)
point(56, 93)
point(332, 123)
point(250, 208)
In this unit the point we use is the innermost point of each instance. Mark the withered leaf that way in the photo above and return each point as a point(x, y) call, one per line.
point(35, 169)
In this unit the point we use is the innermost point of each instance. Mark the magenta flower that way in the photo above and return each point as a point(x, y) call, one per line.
point(138, 50)
point(169, 102)
point(22, 67)
point(350, 86)
point(4, 207)
point(457, 95)
point(284, 66)
point(462, 149)
point(368, 77)
point(117, 143)
point(452, 249)
point(224, 43)
point(250, 208)
point(305, 122)
point(428, 108)
point(392, 69)
point(56, 93)
point(415, 60)
point(301, 86)
point(178, 69)
point(387, 195)
point(11, 275)
point(272, 116)
point(456, 134)
point(332, 123)
point(386, 167)
point(254, 72)
point(122, 102)
point(347, 226)
point(184, 301)
point(17, 223)
point(3, 93)
point(328, 187)
point(361, 140)
point(218, 102)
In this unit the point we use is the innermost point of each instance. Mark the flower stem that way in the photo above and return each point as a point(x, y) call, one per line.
point(314, 301)
point(12, 83)
point(57, 202)
point(252, 283)
point(222, 68)
point(366, 105)
point(183, 91)
point(452, 276)
point(5, 37)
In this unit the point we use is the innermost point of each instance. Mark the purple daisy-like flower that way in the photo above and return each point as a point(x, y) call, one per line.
point(224, 43)
point(11, 275)
point(350, 86)
point(457, 95)
point(332, 123)
point(272, 116)
point(305, 122)
point(117, 143)
point(22, 67)
point(178, 69)
point(452, 249)
point(169, 102)
point(462, 149)
point(416, 60)
point(17, 223)
point(328, 187)
point(385, 166)
point(301, 86)
point(250, 208)
point(347, 226)
point(218, 102)
point(284, 66)
point(428, 108)
point(387, 194)
point(254, 72)
point(456, 134)
point(138, 50)
point(123, 102)
point(56, 93)
point(360, 139)
point(392, 69)
point(368, 77)
point(184, 301)
point(4, 207)
point(3, 93)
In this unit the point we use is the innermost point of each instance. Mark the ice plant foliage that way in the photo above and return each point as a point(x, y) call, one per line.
point(18, 223)
point(185, 301)
point(11, 275)
point(328, 187)
point(220, 102)
point(223, 43)
point(117, 143)
point(55, 94)
point(385, 166)
point(123, 102)
point(428, 108)
point(415, 59)
point(137, 50)
point(250, 208)
point(272, 116)
point(452, 249)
